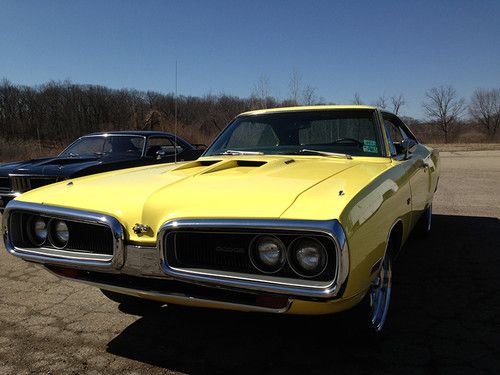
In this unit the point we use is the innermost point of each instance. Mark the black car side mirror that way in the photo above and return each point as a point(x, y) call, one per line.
point(409, 146)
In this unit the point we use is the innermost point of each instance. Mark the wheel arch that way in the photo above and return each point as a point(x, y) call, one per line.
point(395, 235)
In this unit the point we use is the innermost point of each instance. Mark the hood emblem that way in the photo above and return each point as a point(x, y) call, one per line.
point(141, 228)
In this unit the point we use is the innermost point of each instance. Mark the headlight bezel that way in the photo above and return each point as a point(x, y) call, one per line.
point(53, 236)
point(256, 260)
point(294, 262)
point(31, 230)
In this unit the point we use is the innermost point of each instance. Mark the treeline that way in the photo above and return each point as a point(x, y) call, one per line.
point(63, 111)
point(46, 117)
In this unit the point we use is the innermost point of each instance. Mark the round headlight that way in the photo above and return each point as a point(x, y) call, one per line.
point(59, 233)
point(267, 253)
point(38, 231)
point(307, 257)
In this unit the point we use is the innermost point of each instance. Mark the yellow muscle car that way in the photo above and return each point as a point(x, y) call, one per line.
point(291, 210)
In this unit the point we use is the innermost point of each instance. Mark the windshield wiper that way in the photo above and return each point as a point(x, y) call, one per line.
point(234, 152)
point(322, 153)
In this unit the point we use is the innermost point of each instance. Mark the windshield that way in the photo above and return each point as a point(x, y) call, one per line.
point(326, 131)
point(105, 145)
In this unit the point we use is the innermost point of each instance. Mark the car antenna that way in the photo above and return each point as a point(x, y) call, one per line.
point(175, 116)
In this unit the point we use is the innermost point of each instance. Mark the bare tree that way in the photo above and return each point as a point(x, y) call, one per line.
point(357, 99)
point(397, 102)
point(261, 91)
point(485, 109)
point(381, 102)
point(294, 86)
point(443, 106)
point(309, 96)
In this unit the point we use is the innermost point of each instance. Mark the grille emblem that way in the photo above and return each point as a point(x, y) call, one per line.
point(227, 249)
point(141, 228)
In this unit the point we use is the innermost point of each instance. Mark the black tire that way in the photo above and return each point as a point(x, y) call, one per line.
point(370, 315)
point(423, 226)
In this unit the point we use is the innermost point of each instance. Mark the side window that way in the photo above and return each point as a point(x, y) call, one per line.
point(395, 136)
point(164, 144)
point(396, 133)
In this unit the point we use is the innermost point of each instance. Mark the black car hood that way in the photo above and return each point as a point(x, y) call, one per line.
point(55, 166)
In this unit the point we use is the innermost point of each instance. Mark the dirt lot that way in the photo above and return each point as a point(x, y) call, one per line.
point(445, 315)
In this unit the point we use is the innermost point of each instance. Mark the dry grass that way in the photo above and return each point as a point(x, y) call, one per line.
point(21, 149)
point(454, 147)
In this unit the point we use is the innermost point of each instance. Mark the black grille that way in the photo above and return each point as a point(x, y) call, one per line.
point(25, 183)
point(4, 183)
point(20, 183)
point(83, 237)
point(228, 251)
point(91, 238)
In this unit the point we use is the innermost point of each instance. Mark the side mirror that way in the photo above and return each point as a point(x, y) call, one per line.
point(409, 146)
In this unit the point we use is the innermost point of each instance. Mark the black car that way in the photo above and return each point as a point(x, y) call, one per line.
point(94, 153)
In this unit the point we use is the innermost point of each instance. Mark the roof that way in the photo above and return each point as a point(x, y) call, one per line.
point(307, 108)
point(142, 133)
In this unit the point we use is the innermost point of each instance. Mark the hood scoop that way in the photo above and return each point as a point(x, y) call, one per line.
point(196, 164)
point(237, 166)
point(250, 163)
point(211, 166)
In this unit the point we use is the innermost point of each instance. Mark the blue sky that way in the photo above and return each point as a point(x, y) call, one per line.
point(339, 48)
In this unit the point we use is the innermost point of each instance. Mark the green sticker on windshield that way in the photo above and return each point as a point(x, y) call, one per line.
point(370, 145)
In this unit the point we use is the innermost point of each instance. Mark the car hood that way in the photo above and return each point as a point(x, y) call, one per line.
point(228, 187)
point(53, 166)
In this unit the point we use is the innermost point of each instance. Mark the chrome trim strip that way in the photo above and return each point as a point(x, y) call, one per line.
point(332, 228)
point(181, 299)
point(62, 257)
point(10, 194)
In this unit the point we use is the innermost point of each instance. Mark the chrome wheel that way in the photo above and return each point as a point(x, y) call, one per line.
point(429, 218)
point(380, 295)
point(423, 227)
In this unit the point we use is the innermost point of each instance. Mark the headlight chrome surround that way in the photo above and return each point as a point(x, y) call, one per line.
point(37, 230)
point(264, 283)
point(300, 249)
point(58, 233)
point(258, 253)
point(12, 233)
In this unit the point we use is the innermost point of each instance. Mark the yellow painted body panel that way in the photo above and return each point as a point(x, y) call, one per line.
point(366, 194)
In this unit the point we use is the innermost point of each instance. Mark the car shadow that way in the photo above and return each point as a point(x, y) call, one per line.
point(444, 313)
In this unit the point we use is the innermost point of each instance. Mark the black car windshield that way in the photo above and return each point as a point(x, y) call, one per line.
point(318, 132)
point(105, 145)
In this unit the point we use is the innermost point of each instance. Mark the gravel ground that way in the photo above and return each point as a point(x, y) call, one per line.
point(444, 318)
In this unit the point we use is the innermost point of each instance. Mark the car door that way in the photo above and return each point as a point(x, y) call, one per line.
point(417, 163)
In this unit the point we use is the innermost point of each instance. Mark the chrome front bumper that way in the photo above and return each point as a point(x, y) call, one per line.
point(149, 262)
